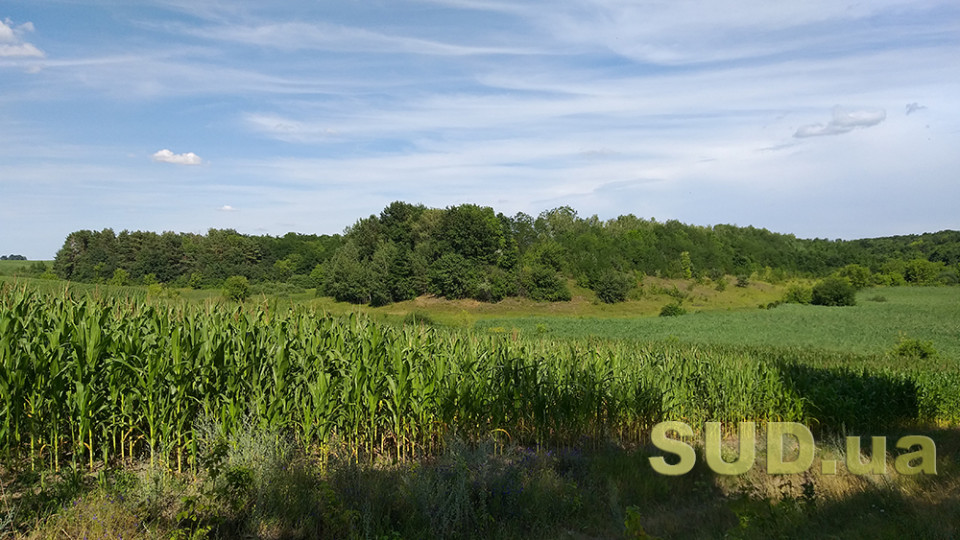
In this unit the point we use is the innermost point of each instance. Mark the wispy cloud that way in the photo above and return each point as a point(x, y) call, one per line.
point(292, 36)
point(844, 121)
point(12, 44)
point(167, 156)
point(914, 107)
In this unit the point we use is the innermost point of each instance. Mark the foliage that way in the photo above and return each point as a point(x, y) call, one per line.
point(544, 284)
point(120, 277)
point(858, 276)
point(833, 291)
point(453, 276)
point(613, 286)
point(922, 271)
point(236, 288)
point(404, 252)
point(673, 309)
point(798, 294)
point(914, 348)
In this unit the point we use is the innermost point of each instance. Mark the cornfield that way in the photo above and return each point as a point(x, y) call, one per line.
point(93, 380)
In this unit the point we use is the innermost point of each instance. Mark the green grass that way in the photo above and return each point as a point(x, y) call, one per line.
point(925, 313)
point(9, 268)
point(589, 490)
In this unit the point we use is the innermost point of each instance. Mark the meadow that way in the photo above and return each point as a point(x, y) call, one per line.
point(181, 415)
point(882, 316)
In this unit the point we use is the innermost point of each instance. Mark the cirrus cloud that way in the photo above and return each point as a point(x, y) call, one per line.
point(167, 156)
point(844, 121)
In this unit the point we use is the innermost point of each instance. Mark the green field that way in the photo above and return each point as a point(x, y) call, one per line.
point(8, 268)
point(871, 327)
point(173, 413)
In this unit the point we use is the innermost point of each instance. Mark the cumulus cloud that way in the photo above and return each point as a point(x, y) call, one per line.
point(844, 121)
point(914, 107)
point(227, 208)
point(166, 156)
point(12, 43)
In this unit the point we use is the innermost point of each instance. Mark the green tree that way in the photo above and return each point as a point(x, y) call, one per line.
point(474, 232)
point(833, 291)
point(859, 276)
point(686, 265)
point(544, 285)
point(922, 271)
point(453, 276)
point(120, 277)
point(344, 276)
point(236, 288)
point(612, 286)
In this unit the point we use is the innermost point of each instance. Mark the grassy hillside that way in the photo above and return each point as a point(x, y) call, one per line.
point(873, 326)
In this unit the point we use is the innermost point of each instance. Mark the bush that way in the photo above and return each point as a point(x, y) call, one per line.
point(833, 291)
point(453, 276)
point(545, 285)
point(612, 286)
point(673, 309)
point(798, 294)
point(914, 348)
point(743, 280)
point(859, 276)
point(120, 277)
point(236, 288)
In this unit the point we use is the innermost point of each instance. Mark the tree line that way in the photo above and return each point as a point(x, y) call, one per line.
point(471, 251)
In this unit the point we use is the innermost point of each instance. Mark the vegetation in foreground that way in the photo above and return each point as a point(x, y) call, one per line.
point(255, 487)
point(426, 428)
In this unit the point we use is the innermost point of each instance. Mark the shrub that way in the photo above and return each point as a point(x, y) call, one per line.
point(859, 276)
point(743, 280)
point(453, 276)
point(833, 291)
point(721, 284)
point(612, 286)
point(672, 309)
point(914, 348)
point(798, 294)
point(236, 288)
point(120, 277)
point(545, 284)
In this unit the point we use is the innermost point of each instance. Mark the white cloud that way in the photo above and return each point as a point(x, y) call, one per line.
point(844, 121)
point(11, 41)
point(166, 156)
point(227, 208)
point(293, 36)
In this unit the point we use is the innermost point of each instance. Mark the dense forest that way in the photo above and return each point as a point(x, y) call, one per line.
point(469, 251)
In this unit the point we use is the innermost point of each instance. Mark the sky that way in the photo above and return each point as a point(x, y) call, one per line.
point(820, 118)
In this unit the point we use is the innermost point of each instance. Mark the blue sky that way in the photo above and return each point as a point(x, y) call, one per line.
point(818, 118)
